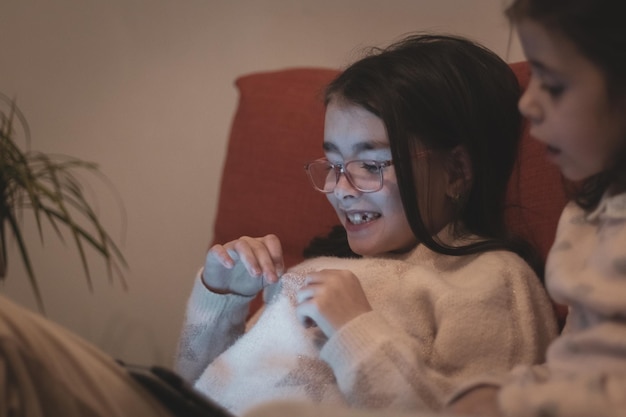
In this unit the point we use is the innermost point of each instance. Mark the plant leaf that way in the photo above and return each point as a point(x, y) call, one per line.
point(46, 185)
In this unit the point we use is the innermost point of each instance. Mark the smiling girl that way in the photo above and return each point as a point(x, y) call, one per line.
point(436, 292)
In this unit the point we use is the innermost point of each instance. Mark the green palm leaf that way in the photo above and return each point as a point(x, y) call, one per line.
point(46, 186)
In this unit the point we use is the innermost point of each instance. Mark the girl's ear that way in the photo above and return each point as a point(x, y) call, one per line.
point(460, 173)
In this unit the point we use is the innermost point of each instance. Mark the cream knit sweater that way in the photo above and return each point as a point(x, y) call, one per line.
point(437, 321)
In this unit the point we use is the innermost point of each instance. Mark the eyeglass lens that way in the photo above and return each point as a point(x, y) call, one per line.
point(364, 175)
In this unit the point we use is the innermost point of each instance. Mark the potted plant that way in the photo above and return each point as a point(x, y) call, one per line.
point(46, 186)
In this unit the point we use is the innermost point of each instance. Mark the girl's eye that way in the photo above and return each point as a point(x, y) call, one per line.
point(555, 90)
point(370, 166)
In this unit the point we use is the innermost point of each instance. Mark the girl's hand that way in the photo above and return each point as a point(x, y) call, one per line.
point(331, 298)
point(243, 266)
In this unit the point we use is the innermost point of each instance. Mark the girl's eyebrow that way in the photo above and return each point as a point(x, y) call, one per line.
point(541, 67)
point(329, 147)
point(358, 147)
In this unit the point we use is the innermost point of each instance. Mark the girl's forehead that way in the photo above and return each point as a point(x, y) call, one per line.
point(548, 51)
point(553, 56)
point(349, 128)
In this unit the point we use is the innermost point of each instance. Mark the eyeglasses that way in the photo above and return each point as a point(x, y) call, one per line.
point(364, 175)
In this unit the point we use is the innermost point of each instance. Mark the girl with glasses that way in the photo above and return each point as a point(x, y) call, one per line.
point(420, 140)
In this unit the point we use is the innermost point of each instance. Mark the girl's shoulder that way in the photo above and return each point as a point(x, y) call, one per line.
point(477, 266)
point(502, 260)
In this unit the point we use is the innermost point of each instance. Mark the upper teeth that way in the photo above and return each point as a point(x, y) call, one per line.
point(358, 218)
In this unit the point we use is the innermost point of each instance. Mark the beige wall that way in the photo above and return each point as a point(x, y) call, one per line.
point(145, 89)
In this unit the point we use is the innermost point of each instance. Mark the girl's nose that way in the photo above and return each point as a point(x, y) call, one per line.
point(344, 189)
point(529, 106)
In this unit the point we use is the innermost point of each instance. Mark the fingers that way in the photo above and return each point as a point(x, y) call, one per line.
point(330, 299)
point(222, 256)
point(261, 257)
point(307, 297)
point(304, 314)
point(274, 266)
point(316, 285)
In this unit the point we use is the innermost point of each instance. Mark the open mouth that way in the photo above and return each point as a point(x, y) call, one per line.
point(552, 150)
point(362, 217)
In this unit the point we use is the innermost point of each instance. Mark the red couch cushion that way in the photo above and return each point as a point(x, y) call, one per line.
point(278, 127)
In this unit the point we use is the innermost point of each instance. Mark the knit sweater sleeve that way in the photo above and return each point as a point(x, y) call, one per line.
point(212, 323)
point(486, 316)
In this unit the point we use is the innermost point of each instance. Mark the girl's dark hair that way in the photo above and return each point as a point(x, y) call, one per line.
point(438, 92)
point(596, 28)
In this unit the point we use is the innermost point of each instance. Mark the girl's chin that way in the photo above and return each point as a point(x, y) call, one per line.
point(362, 248)
point(369, 244)
point(574, 175)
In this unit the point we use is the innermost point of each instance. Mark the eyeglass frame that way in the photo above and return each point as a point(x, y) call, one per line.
point(340, 169)
point(387, 163)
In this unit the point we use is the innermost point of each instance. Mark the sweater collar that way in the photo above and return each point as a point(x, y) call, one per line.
point(420, 253)
point(609, 207)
